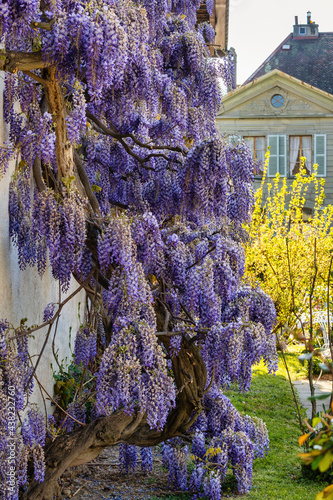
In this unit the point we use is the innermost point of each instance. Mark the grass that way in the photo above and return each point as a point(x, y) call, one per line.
point(278, 476)
point(296, 369)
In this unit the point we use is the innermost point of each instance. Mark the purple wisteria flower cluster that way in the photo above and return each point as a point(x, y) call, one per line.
point(222, 437)
point(39, 224)
point(146, 455)
point(48, 312)
point(33, 435)
point(85, 349)
point(175, 458)
point(17, 448)
point(133, 373)
point(128, 458)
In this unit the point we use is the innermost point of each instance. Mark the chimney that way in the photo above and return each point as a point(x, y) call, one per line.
point(305, 31)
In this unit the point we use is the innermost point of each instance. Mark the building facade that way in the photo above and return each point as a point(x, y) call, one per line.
point(219, 20)
point(292, 116)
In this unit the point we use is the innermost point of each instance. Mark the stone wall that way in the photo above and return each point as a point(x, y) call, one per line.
point(24, 294)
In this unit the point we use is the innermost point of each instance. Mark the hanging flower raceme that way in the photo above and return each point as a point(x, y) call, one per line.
point(147, 236)
point(15, 448)
point(133, 375)
point(62, 227)
point(256, 307)
point(48, 312)
point(146, 455)
point(205, 179)
point(85, 349)
point(128, 455)
point(223, 437)
point(41, 223)
point(33, 435)
point(230, 351)
point(175, 457)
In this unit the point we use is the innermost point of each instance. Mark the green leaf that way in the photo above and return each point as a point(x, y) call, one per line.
point(321, 396)
point(325, 462)
point(68, 180)
point(324, 367)
point(315, 421)
point(306, 355)
point(315, 463)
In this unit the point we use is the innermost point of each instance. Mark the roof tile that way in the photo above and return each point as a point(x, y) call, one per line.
point(309, 60)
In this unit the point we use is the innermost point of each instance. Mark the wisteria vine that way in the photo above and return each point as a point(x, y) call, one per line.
point(121, 179)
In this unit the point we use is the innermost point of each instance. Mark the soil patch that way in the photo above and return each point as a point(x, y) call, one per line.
point(326, 376)
point(102, 479)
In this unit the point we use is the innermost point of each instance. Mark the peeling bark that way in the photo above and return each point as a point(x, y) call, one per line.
point(76, 448)
point(57, 108)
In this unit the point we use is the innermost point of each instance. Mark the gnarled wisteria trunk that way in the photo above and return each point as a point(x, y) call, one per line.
point(123, 182)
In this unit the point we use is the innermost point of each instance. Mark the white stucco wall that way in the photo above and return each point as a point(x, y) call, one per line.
point(24, 294)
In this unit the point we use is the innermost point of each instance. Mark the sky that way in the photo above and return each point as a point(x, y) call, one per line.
point(257, 27)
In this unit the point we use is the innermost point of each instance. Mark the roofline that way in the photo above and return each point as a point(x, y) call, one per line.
point(279, 48)
point(312, 37)
point(268, 75)
point(268, 58)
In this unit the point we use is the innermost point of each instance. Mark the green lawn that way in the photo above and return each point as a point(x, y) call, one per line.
point(278, 476)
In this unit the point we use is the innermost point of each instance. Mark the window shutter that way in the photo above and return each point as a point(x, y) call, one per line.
point(273, 165)
point(278, 155)
point(320, 153)
point(282, 155)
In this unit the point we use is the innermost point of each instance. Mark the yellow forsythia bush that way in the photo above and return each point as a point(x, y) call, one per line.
point(289, 253)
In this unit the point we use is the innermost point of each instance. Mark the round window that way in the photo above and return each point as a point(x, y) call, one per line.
point(277, 100)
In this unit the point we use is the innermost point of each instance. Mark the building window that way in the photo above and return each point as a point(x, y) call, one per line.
point(306, 213)
point(300, 146)
point(277, 101)
point(258, 149)
point(302, 31)
point(233, 139)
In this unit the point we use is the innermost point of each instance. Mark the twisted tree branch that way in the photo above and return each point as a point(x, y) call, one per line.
point(86, 184)
point(43, 25)
point(13, 61)
point(113, 132)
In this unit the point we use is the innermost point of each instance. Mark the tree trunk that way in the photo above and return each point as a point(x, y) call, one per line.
point(86, 443)
point(57, 108)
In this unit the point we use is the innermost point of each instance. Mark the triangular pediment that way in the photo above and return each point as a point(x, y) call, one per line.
point(255, 99)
